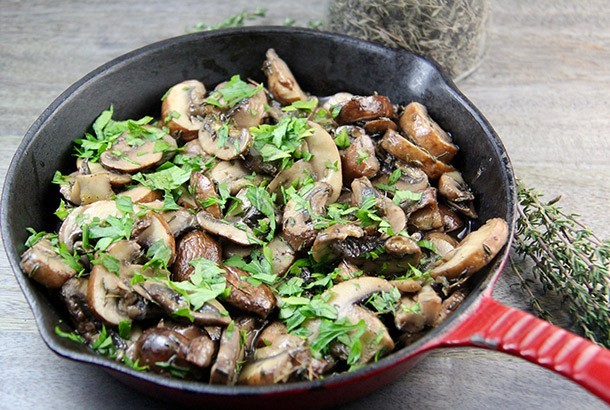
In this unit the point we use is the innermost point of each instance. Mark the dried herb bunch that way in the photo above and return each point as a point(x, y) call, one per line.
point(451, 32)
point(568, 260)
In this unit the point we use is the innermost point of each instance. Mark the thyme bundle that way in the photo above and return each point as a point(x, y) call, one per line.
point(452, 33)
point(569, 260)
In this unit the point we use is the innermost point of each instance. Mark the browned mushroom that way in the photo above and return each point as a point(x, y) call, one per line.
point(142, 194)
point(280, 80)
point(212, 313)
point(322, 249)
point(442, 242)
point(70, 230)
point(474, 252)
point(451, 185)
point(160, 348)
point(193, 245)
point(250, 112)
point(417, 312)
point(405, 150)
point(74, 294)
point(379, 126)
point(232, 174)
point(125, 157)
point(223, 139)
point(45, 266)
point(283, 255)
point(425, 132)
point(298, 224)
point(230, 354)
point(257, 300)
point(87, 167)
point(324, 150)
point(299, 170)
point(285, 357)
point(203, 189)
point(344, 297)
point(359, 160)
point(104, 294)
point(365, 108)
point(242, 234)
point(157, 230)
point(176, 109)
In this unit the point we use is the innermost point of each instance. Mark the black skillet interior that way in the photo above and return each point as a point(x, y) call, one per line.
point(322, 63)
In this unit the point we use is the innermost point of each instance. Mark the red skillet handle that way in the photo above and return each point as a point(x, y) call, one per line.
point(498, 327)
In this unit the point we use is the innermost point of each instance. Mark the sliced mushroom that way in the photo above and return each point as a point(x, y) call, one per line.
point(223, 140)
point(452, 186)
point(299, 170)
point(365, 108)
point(70, 230)
point(416, 313)
point(283, 255)
point(86, 167)
point(425, 132)
point(104, 296)
point(157, 230)
point(405, 150)
point(74, 294)
point(277, 363)
point(45, 266)
point(200, 351)
point(336, 100)
point(251, 112)
point(442, 242)
point(427, 218)
point(142, 194)
point(324, 150)
point(211, 314)
point(298, 225)
point(176, 109)
point(347, 271)
point(92, 188)
point(271, 334)
point(344, 297)
point(322, 250)
point(411, 179)
point(124, 157)
point(233, 174)
point(257, 300)
point(450, 305)
point(203, 189)
point(406, 285)
point(159, 348)
point(474, 252)
point(395, 216)
point(180, 221)
point(280, 80)
point(451, 220)
point(401, 246)
point(465, 208)
point(379, 126)
point(193, 245)
point(359, 160)
point(242, 235)
point(230, 354)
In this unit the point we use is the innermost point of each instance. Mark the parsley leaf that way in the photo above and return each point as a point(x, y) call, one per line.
point(280, 141)
point(69, 335)
point(342, 139)
point(205, 283)
point(232, 93)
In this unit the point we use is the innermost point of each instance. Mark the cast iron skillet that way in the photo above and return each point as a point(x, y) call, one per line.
point(323, 64)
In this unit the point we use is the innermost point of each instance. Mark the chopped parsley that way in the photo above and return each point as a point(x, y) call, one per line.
point(205, 283)
point(280, 141)
point(232, 93)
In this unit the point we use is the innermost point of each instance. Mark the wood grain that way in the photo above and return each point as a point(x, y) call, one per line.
point(544, 85)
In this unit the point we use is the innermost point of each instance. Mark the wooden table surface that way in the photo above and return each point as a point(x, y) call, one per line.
point(544, 85)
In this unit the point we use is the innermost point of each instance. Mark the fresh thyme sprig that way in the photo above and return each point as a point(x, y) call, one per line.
point(568, 260)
